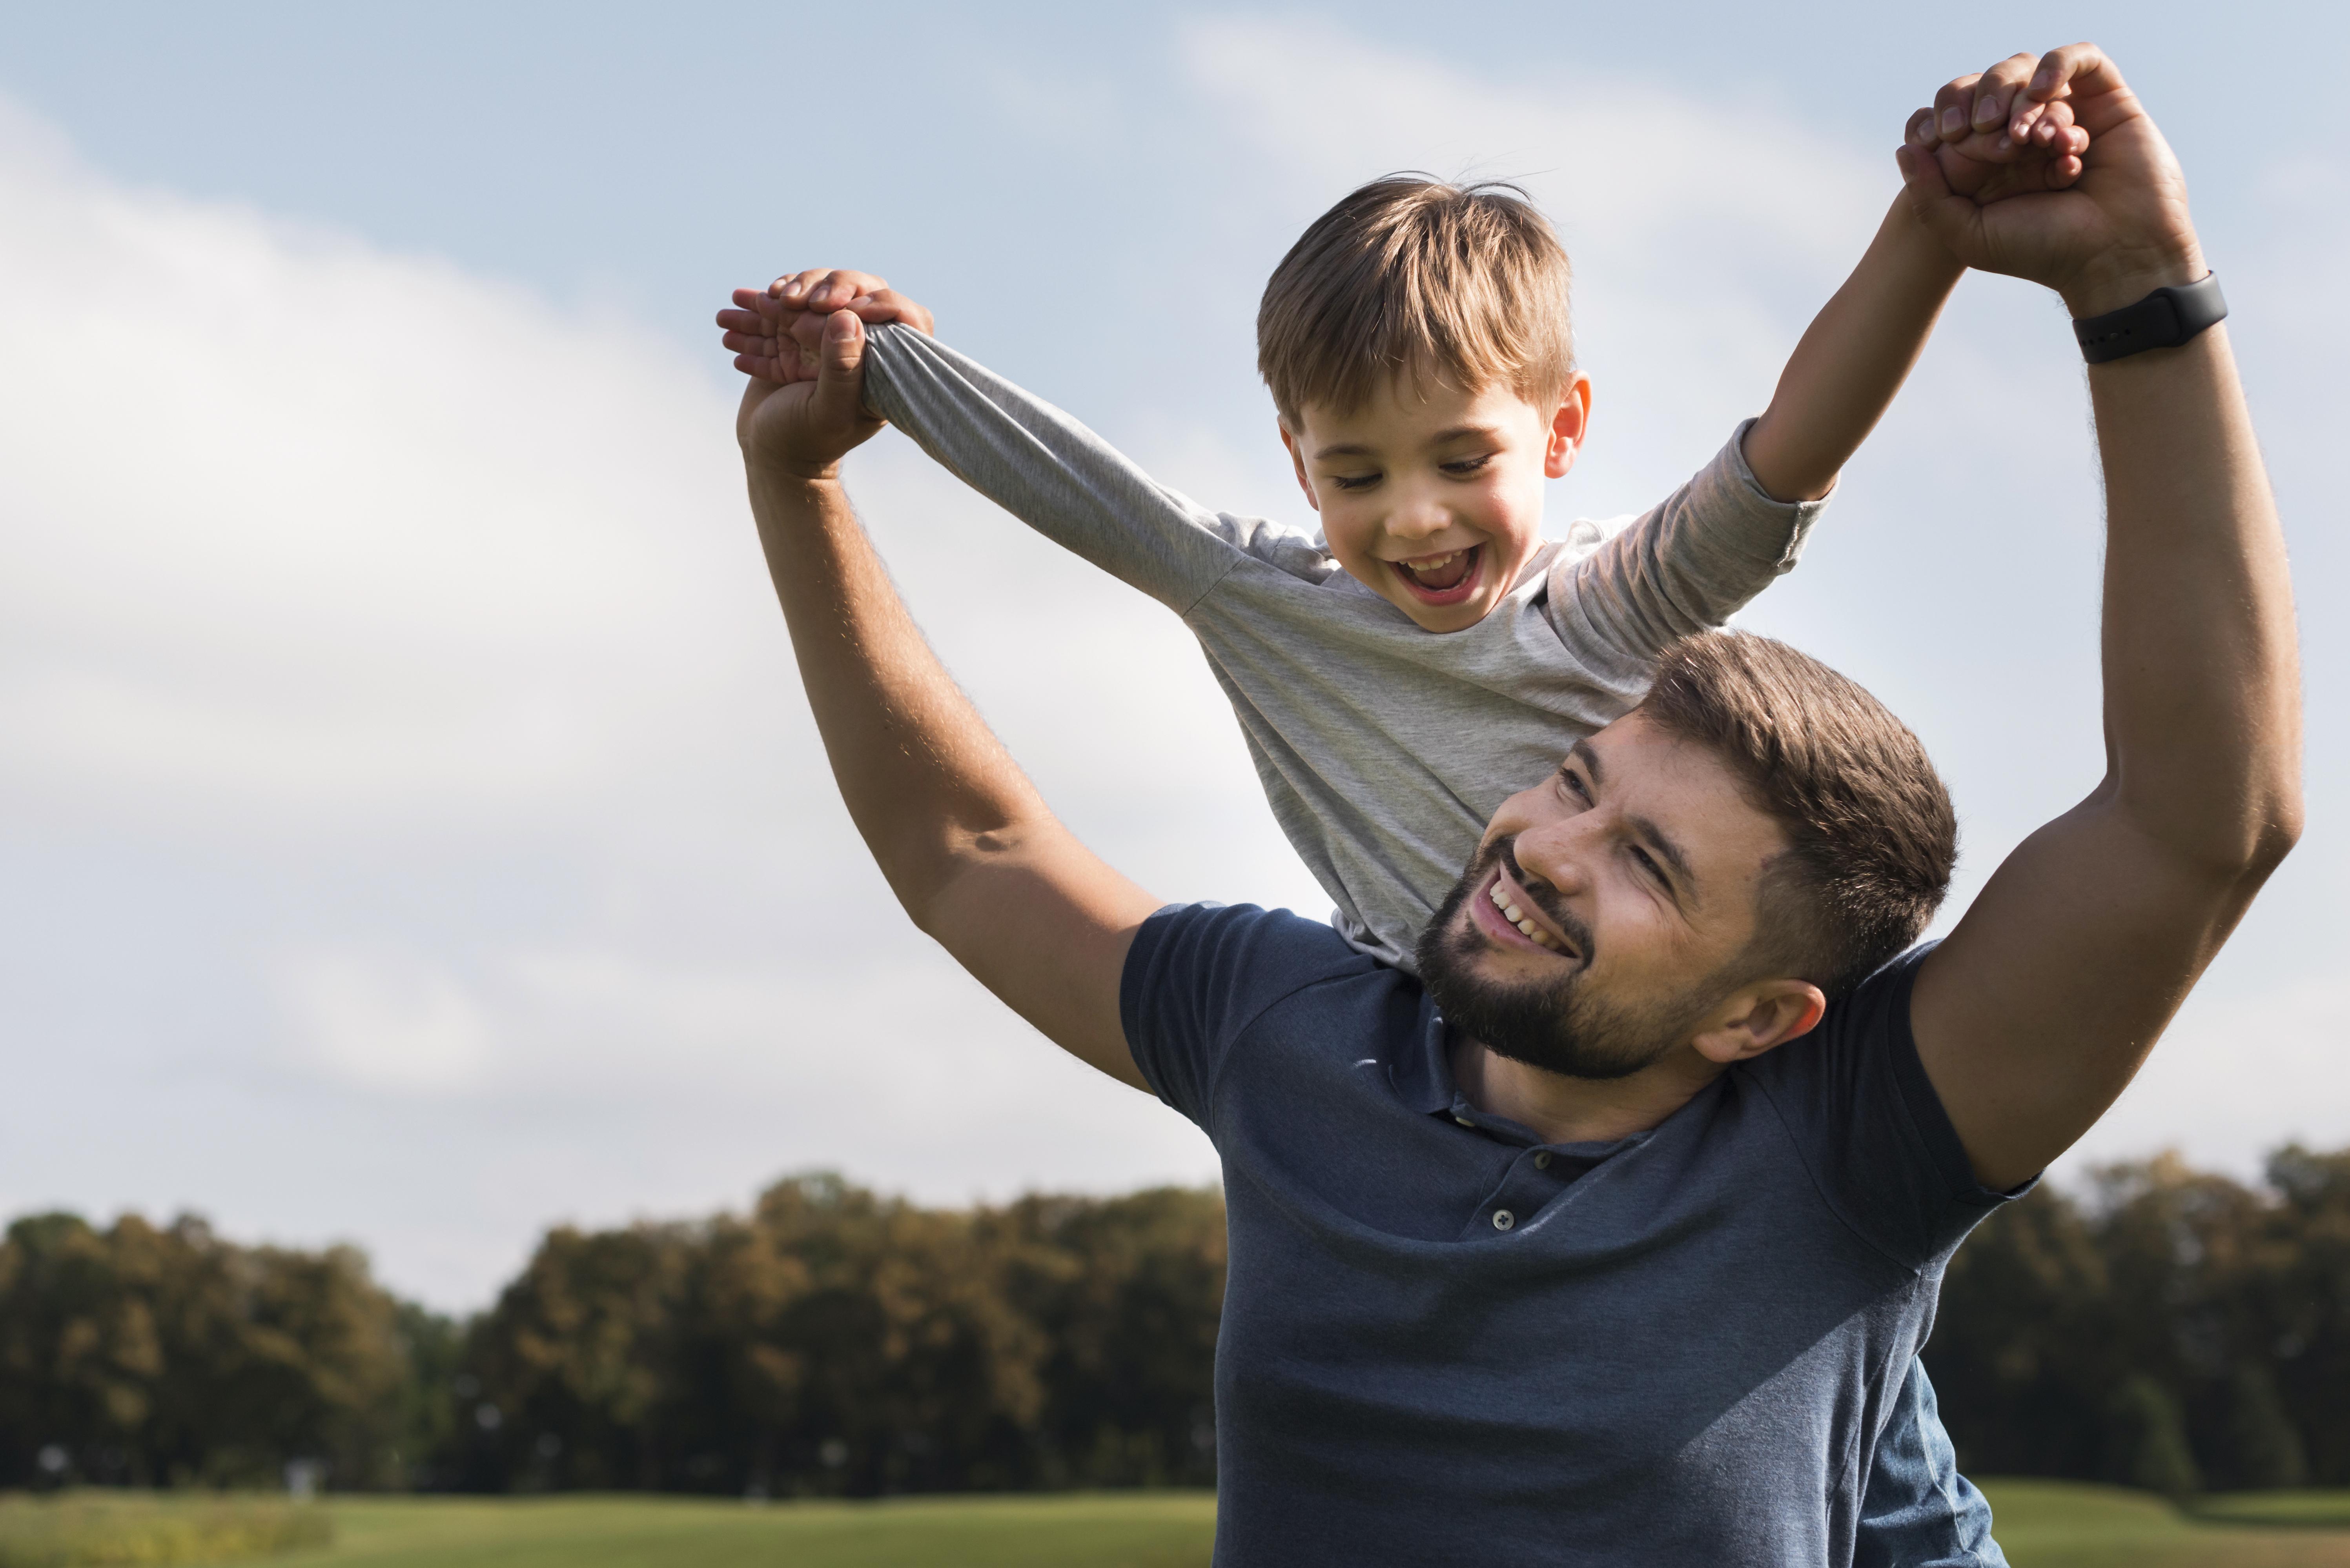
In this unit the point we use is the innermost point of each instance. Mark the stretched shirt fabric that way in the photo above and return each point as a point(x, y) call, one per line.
point(1446, 1342)
point(1384, 749)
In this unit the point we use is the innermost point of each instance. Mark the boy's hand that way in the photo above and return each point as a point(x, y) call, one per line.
point(2118, 231)
point(1995, 140)
point(778, 333)
point(802, 429)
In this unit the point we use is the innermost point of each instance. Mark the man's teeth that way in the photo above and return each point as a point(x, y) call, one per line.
point(1517, 916)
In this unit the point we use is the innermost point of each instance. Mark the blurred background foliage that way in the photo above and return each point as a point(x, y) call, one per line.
point(2159, 1327)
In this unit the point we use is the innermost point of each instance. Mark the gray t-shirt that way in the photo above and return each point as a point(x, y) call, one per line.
point(1384, 749)
point(1446, 1342)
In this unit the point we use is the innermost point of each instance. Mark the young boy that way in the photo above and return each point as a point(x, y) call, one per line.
point(1400, 676)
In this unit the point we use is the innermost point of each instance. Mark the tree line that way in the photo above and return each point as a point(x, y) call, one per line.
point(2159, 1327)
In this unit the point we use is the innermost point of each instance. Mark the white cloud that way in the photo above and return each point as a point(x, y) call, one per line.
point(410, 627)
point(386, 1021)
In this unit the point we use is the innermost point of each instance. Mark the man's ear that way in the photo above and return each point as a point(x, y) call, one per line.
point(1758, 1017)
point(1569, 423)
point(1297, 461)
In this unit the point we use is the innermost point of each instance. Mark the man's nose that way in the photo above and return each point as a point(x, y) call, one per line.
point(1556, 855)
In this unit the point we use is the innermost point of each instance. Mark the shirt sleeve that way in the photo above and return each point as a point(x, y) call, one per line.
point(1060, 478)
point(1857, 1100)
point(1685, 566)
point(1196, 977)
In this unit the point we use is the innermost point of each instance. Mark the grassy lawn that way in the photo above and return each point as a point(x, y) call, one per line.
point(2063, 1524)
point(1123, 1529)
point(2042, 1525)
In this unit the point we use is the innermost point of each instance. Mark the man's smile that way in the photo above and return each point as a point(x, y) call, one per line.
point(1509, 917)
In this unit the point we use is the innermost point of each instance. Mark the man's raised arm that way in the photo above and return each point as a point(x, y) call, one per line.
point(2040, 1007)
point(961, 835)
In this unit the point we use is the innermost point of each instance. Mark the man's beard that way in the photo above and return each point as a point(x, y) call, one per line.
point(1555, 1025)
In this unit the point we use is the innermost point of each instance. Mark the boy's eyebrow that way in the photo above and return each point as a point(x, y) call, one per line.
point(1360, 449)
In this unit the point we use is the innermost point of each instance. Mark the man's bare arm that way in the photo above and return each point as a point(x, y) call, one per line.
point(960, 833)
point(2040, 1007)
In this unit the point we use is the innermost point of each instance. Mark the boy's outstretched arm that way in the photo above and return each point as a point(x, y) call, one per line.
point(1859, 349)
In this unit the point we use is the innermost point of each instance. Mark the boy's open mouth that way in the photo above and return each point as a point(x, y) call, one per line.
point(1443, 579)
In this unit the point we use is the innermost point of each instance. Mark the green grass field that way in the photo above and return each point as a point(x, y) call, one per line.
point(2042, 1525)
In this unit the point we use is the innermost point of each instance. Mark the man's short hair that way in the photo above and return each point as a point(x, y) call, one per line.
point(1415, 275)
point(1871, 835)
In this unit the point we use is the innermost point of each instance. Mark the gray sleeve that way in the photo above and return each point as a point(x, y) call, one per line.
point(1685, 566)
point(1055, 474)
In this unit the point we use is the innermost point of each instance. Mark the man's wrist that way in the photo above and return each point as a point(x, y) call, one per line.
point(2120, 281)
point(783, 477)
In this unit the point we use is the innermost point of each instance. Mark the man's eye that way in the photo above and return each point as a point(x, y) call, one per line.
point(1648, 865)
point(1354, 481)
point(1575, 782)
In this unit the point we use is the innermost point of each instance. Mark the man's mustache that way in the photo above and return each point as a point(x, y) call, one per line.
point(1545, 899)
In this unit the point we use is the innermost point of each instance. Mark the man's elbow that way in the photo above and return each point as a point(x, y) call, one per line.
point(2277, 836)
point(2261, 841)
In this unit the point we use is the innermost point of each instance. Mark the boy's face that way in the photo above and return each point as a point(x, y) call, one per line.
point(1431, 495)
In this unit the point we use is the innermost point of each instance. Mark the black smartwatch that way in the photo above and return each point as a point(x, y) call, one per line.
point(2163, 319)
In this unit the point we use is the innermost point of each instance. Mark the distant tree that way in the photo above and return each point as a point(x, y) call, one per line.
point(2309, 1306)
point(2148, 1445)
point(573, 1373)
point(1127, 1291)
point(886, 1336)
point(156, 1355)
point(2167, 1328)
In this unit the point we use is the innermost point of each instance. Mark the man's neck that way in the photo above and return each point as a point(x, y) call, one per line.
point(1560, 1109)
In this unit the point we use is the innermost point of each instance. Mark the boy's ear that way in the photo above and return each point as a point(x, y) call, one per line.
point(1569, 423)
point(1297, 461)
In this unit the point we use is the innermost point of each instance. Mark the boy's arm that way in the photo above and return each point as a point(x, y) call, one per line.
point(1859, 349)
point(1853, 358)
point(1020, 452)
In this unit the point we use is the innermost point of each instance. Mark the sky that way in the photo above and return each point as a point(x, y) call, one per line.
point(411, 831)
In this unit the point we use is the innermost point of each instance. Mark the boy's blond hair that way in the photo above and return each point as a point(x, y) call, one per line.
point(1414, 274)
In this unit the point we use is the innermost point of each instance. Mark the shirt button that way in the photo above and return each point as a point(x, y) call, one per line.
point(1542, 1160)
point(1503, 1219)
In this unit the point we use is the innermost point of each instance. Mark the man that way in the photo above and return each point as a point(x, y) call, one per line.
point(1615, 1242)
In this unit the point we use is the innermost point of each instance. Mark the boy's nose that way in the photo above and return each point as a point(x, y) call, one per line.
point(1419, 520)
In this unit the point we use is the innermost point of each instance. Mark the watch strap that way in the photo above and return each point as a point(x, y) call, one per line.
point(2163, 319)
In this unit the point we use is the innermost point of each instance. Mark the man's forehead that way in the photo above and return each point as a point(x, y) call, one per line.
point(1683, 784)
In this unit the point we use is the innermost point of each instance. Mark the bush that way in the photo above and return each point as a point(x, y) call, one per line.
point(74, 1529)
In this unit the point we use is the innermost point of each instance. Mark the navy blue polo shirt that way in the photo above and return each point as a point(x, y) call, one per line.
point(1445, 1341)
